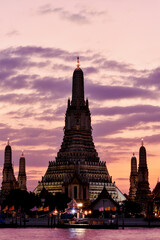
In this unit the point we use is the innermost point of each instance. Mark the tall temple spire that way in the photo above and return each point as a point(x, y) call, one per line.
point(22, 173)
point(8, 153)
point(142, 156)
point(133, 178)
point(134, 164)
point(9, 181)
point(77, 171)
point(78, 86)
point(143, 190)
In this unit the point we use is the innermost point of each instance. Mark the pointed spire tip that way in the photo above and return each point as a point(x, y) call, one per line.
point(78, 62)
point(142, 142)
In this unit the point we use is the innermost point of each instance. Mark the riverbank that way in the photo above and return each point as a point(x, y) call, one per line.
point(47, 222)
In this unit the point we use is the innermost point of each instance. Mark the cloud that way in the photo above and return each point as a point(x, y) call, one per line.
point(109, 127)
point(151, 80)
point(57, 114)
point(12, 33)
point(58, 87)
point(21, 98)
point(30, 136)
point(12, 63)
point(81, 17)
point(23, 52)
point(116, 66)
point(154, 139)
point(102, 92)
point(111, 111)
point(15, 82)
point(122, 179)
point(91, 70)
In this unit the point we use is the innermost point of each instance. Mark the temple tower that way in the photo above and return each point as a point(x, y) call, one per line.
point(9, 182)
point(22, 173)
point(77, 142)
point(143, 193)
point(77, 169)
point(133, 178)
point(78, 87)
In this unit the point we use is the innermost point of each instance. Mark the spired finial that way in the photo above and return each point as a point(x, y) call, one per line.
point(133, 153)
point(78, 62)
point(142, 141)
point(7, 141)
point(22, 153)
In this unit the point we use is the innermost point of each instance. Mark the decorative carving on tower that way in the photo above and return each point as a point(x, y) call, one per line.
point(77, 141)
point(133, 178)
point(143, 193)
point(22, 173)
point(77, 171)
point(9, 181)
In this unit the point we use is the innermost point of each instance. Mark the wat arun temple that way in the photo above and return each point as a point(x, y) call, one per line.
point(77, 170)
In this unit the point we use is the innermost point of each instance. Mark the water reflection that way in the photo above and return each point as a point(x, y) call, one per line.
point(80, 234)
point(77, 233)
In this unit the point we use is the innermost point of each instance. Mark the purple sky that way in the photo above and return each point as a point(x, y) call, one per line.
point(118, 46)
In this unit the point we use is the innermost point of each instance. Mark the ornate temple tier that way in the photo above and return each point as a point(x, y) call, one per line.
point(77, 171)
point(86, 171)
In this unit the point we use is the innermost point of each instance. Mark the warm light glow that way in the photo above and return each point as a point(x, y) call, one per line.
point(142, 141)
point(55, 212)
point(80, 204)
point(85, 212)
point(73, 211)
point(78, 62)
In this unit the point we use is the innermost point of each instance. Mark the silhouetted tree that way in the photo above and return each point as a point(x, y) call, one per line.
point(22, 200)
point(132, 208)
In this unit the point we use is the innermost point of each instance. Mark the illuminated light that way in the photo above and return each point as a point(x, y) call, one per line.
point(56, 212)
point(85, 212)
point(142, 141)
point(73, 211)
point(89, 211)
point(80, 204)
point(78, 62)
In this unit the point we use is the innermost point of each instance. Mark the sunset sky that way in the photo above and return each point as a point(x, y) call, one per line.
point(118, 42)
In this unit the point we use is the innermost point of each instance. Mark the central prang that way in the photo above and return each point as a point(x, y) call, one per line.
point(78, 171)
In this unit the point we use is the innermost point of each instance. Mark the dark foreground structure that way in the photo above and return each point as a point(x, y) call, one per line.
point(54, 222)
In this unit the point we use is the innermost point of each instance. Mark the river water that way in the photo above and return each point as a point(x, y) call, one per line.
point(79, 233)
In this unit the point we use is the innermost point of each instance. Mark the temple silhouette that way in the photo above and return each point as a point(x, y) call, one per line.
point(77, 169)
point(139, 184)
point(9, 181)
